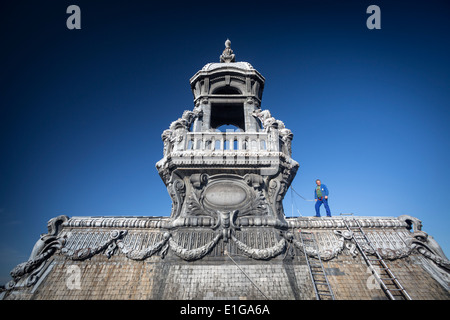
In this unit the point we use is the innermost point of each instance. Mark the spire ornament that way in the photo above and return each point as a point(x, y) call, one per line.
point(227, 54)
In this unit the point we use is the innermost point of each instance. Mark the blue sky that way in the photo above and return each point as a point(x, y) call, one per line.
point(82, 111)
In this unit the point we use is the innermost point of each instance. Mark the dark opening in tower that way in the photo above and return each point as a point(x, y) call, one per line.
point(227, 90)
point(227, 114)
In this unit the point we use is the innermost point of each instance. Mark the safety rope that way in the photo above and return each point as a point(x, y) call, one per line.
point(254, 284)
point(294, 203)
point(300, 195)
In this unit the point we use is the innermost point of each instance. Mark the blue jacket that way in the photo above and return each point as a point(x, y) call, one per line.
point(324, 191)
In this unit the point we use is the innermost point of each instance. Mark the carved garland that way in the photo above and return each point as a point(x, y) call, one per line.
point(260, 254)
point(326, 254)
point(108, 247)
point(142, 254)
point(193, 254)
point(51, 243)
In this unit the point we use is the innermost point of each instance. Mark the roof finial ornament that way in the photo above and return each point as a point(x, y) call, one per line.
point(227, 54)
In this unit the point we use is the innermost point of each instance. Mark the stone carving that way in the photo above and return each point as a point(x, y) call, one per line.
point(417, 241)
point(176, 190)
point(166, 137)
point(119, 222)
point(260, 254)
point(199, 180)
point(325, 254)
point(423, 243)
point(185, 121)
point(194, 207)
point(145, 253)
point(193, 254)
point(412, 222)
point(338, 223)
point(345, 242)
point(226, 192)
point(226, 223)
point(272, 126)
point(350, 246)
point(266, 119)
point(227, 54)
point(194, 202)
point(254, 180)
point(393, 254)
point(256, 205)
point(53, 226)
point(44, 248)
point(225, 227)
point(279, 185)
point(108, 247)
point(428, 247)
point(286, 136)
point(174, 140)
point(275, 194)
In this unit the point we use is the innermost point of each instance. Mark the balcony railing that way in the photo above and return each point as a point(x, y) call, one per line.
point(230, 141)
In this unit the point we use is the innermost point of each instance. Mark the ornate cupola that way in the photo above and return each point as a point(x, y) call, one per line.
point(227, 93)
point(240, 174)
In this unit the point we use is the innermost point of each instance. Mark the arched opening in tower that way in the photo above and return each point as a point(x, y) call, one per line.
point(231, 114)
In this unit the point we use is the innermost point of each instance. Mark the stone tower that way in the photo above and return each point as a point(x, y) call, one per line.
point(241, 174)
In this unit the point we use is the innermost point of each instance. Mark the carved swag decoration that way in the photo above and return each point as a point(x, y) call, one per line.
point(225, 228)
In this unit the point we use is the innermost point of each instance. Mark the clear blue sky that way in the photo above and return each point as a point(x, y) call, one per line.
point(82, 111)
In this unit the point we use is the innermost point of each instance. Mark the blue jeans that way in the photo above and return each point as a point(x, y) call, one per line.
point(325, 203)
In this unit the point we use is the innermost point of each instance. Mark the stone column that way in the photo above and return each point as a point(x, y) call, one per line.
point(251, 124)
point(206, 118)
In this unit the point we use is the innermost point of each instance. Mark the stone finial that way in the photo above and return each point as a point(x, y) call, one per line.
point(227, 54)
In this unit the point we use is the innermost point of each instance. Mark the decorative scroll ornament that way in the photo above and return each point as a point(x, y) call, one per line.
point(44, 248)
point(199, 180)
point(195, 208)
point(429, 248)
point(194, 201)
point(177, 192)
point(33, 266)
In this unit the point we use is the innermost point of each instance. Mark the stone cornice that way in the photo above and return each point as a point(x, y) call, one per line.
point(165, 222)
point(110, 235)
point(117, 222)
point(338, 222)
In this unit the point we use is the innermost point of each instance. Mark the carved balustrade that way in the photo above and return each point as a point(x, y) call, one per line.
point(228, 142)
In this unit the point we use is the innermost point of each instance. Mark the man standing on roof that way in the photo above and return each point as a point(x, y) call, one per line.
point(321, 196)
